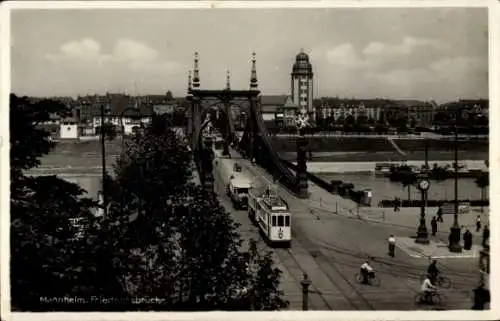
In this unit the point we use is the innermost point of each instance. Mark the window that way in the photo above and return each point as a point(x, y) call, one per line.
point(273, 221)
point(241, 190)
point(280, 221)
point(287, 220)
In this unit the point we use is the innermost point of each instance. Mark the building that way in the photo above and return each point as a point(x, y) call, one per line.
point(167, 108)
point(302, 84)
point(300, 100)
point(337, 110)
point(69, 128)
point(415, 112)
point(270, 105)
point(289, 111)
point(465, 109)
point(122, 111)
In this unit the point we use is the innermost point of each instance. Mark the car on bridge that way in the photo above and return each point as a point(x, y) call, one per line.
point(237, 190)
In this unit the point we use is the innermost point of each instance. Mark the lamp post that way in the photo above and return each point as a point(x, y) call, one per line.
point(454, 238)
point(104, 107)
point(423, 186)
point(305, 282)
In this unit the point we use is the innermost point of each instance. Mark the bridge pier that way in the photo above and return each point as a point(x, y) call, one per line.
point(301, 173)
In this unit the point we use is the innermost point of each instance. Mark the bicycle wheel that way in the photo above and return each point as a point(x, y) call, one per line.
point(375, 281)
point(419, 298)
point(437, 299)
point(444, 282)
point(358, 277)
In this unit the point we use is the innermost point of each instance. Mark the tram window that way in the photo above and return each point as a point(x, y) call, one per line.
point(274, 220)
point(280, 220)
point(287, 220)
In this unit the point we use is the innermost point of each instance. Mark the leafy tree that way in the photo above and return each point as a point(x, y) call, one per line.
point(362, 120)
point(483, 181)
point(184, 246)
point(55, 251)
point(110, 131)
point(408, 179)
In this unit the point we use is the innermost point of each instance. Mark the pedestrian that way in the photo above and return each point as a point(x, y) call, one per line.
point(486, 234)
point(467, 240)
point(392, 245)
point(478, 223)
point(440, 213)
point(396, 204)
point(481, 297)
point(434, 226)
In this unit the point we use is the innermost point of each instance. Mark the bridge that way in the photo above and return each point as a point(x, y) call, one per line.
point(326, 234)
point(254, 145)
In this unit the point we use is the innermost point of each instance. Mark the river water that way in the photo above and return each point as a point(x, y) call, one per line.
point(383, 188)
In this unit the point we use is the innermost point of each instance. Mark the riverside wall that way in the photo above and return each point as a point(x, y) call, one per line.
point(369, 167)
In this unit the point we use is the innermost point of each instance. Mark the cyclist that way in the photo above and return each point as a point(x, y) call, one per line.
point(367, 272)
point(427, 289)
point(433, 271)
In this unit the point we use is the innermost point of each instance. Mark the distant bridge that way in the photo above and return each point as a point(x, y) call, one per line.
point(254, 143)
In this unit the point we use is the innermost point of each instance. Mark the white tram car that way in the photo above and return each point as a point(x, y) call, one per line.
point(271, 214)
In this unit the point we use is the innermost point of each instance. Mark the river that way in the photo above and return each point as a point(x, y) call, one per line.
point(383, 188)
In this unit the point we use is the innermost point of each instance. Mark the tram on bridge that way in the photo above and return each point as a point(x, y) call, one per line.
point(271, 214)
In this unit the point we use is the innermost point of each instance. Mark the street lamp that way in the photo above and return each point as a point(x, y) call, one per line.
point(305, 282)
point(423, 186)
point(454, 238)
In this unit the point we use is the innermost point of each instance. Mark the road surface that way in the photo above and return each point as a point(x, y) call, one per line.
point(331, 248)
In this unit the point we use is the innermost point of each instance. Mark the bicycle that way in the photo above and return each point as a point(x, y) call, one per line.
point(442, 281)
point(435, 298)
point(375, 280)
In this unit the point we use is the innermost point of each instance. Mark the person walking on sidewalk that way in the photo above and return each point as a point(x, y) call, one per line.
point(434, 226)
point(478, 223)
point(396, 204)
point(440, 213)
point(486, 234)
point(467, 240)
point(391, 241)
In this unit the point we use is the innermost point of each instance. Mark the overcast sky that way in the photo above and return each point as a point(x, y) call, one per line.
point(439, 54)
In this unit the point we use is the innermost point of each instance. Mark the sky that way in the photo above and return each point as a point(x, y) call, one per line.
point(406, 53)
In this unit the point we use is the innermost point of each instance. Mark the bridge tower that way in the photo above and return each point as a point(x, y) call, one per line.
point(302, 84)
point(201, 145)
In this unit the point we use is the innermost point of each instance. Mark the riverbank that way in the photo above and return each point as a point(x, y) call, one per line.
point(364, 156)
point(369, 167)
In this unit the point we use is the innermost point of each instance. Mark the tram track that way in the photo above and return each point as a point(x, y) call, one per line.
point(321, 264)
point(326, 265)
point(410, 272)
point(296, 264)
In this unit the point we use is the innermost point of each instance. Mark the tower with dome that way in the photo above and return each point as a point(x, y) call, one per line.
point(302, 85)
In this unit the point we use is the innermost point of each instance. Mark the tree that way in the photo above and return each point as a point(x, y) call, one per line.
point(169, 96)
point(55, 250)
point(184, 245)
point(408, 179)
point(483, 181)
point(110, 131)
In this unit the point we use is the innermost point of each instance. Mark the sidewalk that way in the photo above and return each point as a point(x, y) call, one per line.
point(407, 217)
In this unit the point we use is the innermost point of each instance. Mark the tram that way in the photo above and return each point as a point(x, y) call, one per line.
point(271, 214)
